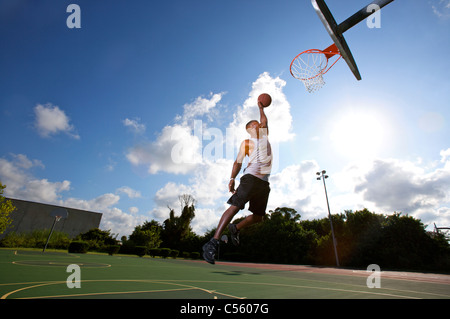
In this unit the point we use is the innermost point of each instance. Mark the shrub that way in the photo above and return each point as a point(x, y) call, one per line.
point(140, 250)
point(154, 252)
point(14, 239)
point(113, 249)
point(98, 240)
point(186, 254)
point(36, 239)
point(80, 247)
point(174, 253)
point(195, 255)
point(165, 252)
point(127, 248)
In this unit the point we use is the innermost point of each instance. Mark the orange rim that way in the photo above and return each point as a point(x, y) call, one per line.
point(329, 52)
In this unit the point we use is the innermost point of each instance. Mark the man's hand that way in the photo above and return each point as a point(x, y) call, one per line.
point(231, 186)
point(263, 119)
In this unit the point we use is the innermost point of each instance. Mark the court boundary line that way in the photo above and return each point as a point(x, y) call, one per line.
point(185, 287)
point(191, 287)
point(58, 264)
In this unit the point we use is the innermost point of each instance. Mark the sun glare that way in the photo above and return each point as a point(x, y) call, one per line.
point(358, 134)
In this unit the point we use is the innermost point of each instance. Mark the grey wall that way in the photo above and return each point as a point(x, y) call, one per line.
point(30, 216)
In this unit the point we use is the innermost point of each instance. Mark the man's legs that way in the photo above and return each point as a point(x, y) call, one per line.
point(210, 248)
point(228, 215)
point(226, 218)
point(248, 221)
point(235, 228)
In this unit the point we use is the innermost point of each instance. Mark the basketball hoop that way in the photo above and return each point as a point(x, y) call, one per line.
point(310, 66)
point(57, 213)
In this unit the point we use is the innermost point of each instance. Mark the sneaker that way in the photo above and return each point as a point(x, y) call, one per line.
point(234, 234)
point(209, 250)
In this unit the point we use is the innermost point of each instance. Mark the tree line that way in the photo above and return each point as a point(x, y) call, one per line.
point(393, 241)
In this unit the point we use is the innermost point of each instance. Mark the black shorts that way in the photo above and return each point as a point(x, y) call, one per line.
point(254, 190)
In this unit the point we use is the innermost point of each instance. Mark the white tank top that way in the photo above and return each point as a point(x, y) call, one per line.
point(260, 160)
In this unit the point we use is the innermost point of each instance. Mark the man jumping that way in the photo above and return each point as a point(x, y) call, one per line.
point(253, 187)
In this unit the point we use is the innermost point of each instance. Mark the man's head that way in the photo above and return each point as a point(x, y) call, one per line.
point(252, 127)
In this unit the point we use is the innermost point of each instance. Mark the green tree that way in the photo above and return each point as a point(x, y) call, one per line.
point(280, 238)
point(177, 229)
point(98, 239)
point(405, 243)
point(362, 229)
point(6, 208)
point(391, 241)
point(363, 238)
point(147, 234)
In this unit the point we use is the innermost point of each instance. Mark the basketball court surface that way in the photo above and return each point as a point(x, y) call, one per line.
point(27, 274)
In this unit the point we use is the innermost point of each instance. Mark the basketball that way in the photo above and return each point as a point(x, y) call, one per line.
point(265, 99)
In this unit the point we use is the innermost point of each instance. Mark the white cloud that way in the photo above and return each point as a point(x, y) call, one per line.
point(209, 187)
point(278, 113)
point(97, 204)
point(51, 120)
point(404, 186)
point(113, 218)
point(131, 193)
point(44, 191)
point(441, 8)
point(133, 210)
point(386, 186)
point(134, 125)
point(21, 184)
point(167, 197)
point(182, 147)
point(207, 184)
point(210, 173)
point(201, 106)
point(119, 222)
point(445, 157)
point(22, 161)
point(296, 186)
point(177, 149)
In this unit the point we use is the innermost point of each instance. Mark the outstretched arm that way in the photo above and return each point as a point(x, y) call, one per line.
point(243, 150)
point(263, 119)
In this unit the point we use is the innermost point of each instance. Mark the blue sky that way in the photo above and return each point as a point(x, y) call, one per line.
point(90, 116)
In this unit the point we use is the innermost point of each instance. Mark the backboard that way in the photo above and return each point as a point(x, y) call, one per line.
point(336, 30)
point(59, 212)
point(332, 28)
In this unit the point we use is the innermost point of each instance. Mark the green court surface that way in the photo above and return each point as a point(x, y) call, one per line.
point(35, 275)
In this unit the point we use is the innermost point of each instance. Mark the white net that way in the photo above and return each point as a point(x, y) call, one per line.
point(314, 83)
point(309, 68)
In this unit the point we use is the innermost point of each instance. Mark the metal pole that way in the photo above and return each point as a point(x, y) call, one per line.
point(49, 235)
point(360, 15)
point(329, 217)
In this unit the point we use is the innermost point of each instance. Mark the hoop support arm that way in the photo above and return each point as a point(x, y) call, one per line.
point(360, 15)
point(331, 51)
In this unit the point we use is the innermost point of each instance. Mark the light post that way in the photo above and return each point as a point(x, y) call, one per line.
point(323, 177)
